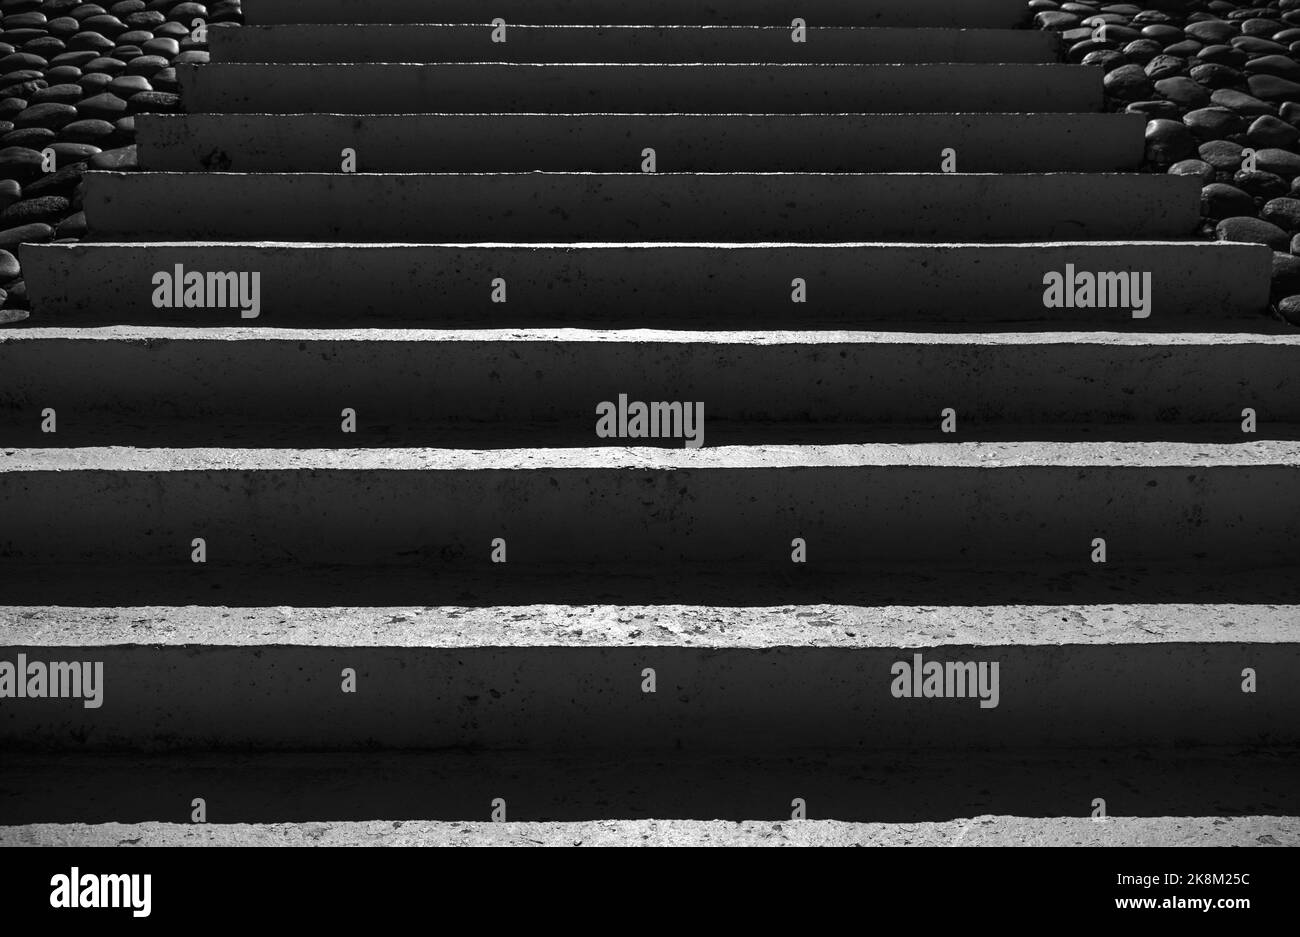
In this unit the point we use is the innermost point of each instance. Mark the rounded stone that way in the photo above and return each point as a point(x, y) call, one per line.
point(1252, 231)
point(10, 192)
point(124, 86)
point(1165, 66)
point(69, 152)
point(145, 19)
point(1162, 33)
point(44, 208)
point(135, 37)
point(9, 269)
point(1289, 309)
point(161, 45)
point(1183, 91)
point(1210, 31)
point(1141, 51)
point(1193, 167)
point(1285, 279)
point(1108, 59)
point(195, 57)
point(63, 75)
point(1281, 66)
point(1282, 162)
point(104, 106)
point(105, 24)
point(1128, 83)
point(51, 115)
point(1270, 131)
point(95, 82)
point(1153, 109)
point(90, 130)
point(63, 27)
point(105, 64)
point(1222, 55)
point(1213, 123)
point(184, 12)
point(1213, 75)
point(146, 65)
point(1223, 155)
point(122, 158)
point(1219, 201)
point(65, 94)
point(1283, 212)
point(34, 138)
point(1259, 183)
point(1186, 48)
point(1273, 88)
point(154, 101)
point(1168, 141)
point(1241, 103)
point(1253, 45)
point(172, 30)
point(90, 41)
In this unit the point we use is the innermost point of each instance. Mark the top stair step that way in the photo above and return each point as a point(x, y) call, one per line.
point(993, 13)
point(328, 42)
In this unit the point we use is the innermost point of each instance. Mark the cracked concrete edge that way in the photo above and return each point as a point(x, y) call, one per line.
point(844, 626)
point(985, 455)
point(977, 831)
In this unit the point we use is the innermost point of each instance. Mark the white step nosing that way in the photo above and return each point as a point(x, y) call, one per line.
point(681, 626)
point(987, 456)
point(150, 333)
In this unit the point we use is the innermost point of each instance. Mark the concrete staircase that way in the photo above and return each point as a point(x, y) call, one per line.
point(383, 467)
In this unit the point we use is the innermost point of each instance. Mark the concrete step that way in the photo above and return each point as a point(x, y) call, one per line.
point(580, 207)
point(491, 86)
point(729, 511)
point(984, 830)
point(739, 681)
point(473, 43)
point(615, 142)
point(1192, 285)
point(517, 388)
point(992, 13)
point(1239, 788)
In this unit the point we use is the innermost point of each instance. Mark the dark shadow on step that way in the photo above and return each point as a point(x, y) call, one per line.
point(516, 584)
point(887, 787)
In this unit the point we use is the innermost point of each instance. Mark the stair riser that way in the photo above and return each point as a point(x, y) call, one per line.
point(737, 700)
point(988, 13)
point(593, 520)
point(413, 43)
point(907, 787)
point(615, 142)
point(505, 389)
point(360, 88)
point(702, 287)
point(639, 207)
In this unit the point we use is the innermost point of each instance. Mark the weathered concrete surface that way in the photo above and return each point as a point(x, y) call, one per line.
point(977, 831)
point(473, 43)
point(933, 785)
point(216, 695)
point(517, 387)
point(614, 142)
point(969, 509)
point(487, 86)
point(697, 285)
point(994, 13)
point(550, 207)
point(685, 626)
